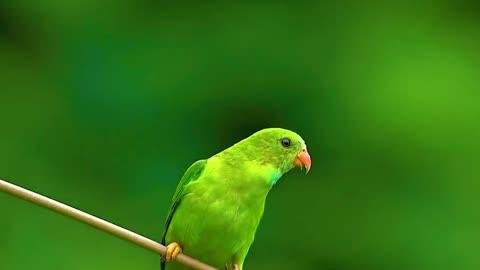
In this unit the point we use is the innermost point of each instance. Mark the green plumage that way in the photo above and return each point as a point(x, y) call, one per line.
point(219, 201)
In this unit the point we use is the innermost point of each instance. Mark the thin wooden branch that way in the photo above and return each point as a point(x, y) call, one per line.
point(97, 223)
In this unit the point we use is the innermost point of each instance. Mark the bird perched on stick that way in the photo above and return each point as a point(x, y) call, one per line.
point(219, 201)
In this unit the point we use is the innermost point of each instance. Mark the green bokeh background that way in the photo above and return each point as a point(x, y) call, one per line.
point(104, 104)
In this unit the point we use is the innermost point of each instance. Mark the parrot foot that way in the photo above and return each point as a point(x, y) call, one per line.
point(235, 267)
point(173, 249)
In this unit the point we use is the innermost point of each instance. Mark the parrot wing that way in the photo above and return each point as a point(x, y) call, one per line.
point(190, 175)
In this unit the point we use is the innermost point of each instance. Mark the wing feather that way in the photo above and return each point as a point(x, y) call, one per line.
point(190, 175)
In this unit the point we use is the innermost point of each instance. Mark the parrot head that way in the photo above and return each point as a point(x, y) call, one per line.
point(279, 148)
point(283, 148)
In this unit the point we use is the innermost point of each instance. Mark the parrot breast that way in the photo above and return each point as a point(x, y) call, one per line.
point(218, 217)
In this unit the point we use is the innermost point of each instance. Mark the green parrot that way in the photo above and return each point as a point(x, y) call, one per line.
point(219, 201)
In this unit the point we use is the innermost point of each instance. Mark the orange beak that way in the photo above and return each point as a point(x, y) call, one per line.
point(303, 160)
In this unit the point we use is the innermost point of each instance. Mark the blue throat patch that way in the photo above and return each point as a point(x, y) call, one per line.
point(276, 176)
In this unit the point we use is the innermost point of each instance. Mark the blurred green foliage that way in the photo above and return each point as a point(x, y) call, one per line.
point(104, 104)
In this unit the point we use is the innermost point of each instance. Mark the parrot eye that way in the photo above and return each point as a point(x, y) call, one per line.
point(286, 142)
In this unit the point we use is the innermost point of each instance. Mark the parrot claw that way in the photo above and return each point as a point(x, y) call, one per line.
point(235, 267)
point(173, 249)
